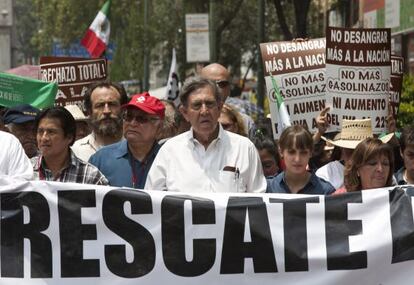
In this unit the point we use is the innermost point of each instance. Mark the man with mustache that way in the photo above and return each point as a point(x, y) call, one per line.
point(103, 102)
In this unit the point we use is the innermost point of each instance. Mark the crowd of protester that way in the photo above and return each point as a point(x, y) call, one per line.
point(209, 143)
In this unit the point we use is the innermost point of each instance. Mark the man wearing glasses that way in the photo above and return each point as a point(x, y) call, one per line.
point(126, 163)
point(218, 73)
point(206, 158)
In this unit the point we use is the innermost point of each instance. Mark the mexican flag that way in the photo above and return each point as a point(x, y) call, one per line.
point(97, 36)
point(284, 118)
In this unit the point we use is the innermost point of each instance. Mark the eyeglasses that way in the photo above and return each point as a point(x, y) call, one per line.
point(198, 104)
point(222, 83)
point(128, 117)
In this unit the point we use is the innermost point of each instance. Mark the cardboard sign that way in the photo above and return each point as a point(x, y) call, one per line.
point(66, 233)
point(397, 73)
point(73, 76)
point(358, 75)
point(299, 71)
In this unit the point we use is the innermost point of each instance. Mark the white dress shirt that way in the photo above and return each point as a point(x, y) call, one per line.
point(333, 172)
point(229, 164)
point(85, 147)
point(14, 162)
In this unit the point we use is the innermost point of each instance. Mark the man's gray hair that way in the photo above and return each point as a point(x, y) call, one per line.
point(194, 83)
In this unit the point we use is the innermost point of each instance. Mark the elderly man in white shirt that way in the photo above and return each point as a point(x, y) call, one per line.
point(14, 163)
point(206, 158)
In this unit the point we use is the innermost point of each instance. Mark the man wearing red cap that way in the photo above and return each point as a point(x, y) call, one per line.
point(126, 163)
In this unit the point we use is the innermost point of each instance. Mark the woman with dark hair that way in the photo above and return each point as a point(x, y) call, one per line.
point(370, 166)
point(295, 147)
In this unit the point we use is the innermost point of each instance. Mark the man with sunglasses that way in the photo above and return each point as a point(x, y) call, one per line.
point(126, 163)
point(206, 158)
point(219, 74)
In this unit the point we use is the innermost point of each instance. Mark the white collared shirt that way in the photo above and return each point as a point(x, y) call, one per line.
point(14, 162)
point(229, 164)
point(85, 147)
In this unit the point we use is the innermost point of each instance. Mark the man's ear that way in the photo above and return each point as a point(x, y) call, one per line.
point(184, 112)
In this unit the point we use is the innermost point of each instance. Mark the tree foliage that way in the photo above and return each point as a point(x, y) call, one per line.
point(406, 110)
point(67, 20)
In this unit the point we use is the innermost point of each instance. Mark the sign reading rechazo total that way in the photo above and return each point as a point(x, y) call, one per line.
point(58, 233)
point(397, 73)
point(73, 76)
point(299, 71)
point(358, 75)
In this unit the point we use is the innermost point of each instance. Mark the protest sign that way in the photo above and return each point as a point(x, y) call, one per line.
point(298, 69)
point(397, 73)
point(358, 75)
point(15, 90)
point(73, 76)
point(62, 233)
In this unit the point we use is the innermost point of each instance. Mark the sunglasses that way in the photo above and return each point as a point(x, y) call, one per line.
point(128, 117)
point(222, 83)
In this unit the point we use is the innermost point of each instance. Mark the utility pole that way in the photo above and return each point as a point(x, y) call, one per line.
point(260, 39)
point(212, 28)
point(145, 86)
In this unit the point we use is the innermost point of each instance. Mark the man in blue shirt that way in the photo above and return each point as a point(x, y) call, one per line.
point(126, 163)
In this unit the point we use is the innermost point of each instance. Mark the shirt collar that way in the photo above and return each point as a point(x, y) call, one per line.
point(312, 182)
point(194, 141)
point(122, 149)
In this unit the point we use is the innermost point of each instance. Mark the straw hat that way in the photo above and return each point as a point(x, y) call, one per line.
point(353, 132)
point(76, 112)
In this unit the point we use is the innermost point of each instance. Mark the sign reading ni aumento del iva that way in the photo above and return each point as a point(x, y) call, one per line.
point(73, 76)
point(397, 72)
point(299, 70)
point(358, 75)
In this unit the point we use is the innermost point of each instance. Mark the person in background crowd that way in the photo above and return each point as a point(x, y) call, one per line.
point(19, 121)
point(295, 147)
point(370, 166)
point(169, 127)
point(82, 127)
point(352, 133)
point(14, 162)
point(126, 163)
point(103, 102)
point(231, 120)
point(405, 175)
point(55, 133)
point(269, 156)
point(207, 158)
point(219, 74)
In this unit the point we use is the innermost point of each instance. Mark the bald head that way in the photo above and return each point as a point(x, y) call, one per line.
point(221, 75)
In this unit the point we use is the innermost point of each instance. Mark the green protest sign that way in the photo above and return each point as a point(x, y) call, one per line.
point(15, 90)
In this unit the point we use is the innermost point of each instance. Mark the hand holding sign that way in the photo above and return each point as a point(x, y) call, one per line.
point(322, 121)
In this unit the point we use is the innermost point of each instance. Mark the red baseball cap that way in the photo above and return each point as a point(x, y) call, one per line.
point(147, 103)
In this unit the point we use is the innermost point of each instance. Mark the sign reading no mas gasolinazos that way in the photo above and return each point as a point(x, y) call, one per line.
point(358, 75)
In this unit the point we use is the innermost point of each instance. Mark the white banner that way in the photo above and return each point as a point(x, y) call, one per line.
point(67, 233)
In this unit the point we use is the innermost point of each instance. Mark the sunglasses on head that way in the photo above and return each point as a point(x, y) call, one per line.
point(222, 83)
point(139, 118)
